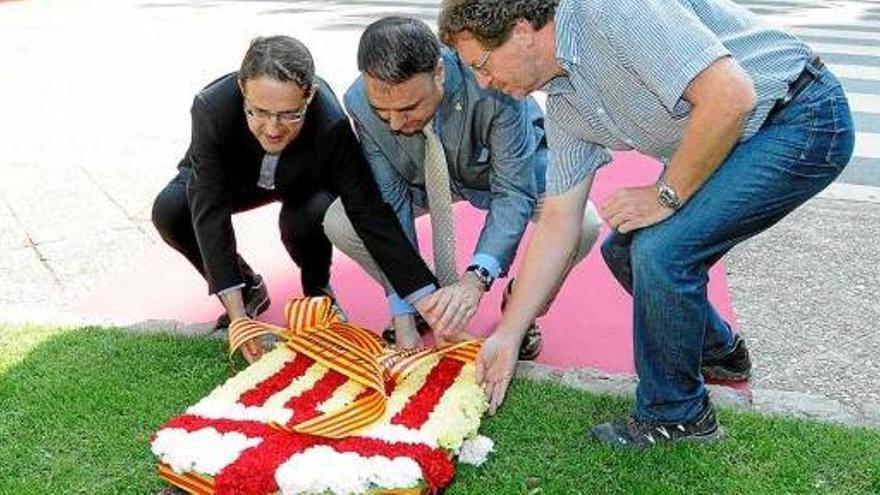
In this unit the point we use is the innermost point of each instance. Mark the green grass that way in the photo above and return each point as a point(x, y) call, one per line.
point(77, 409)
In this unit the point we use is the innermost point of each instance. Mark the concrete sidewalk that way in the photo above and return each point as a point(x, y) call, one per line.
point(95, 105)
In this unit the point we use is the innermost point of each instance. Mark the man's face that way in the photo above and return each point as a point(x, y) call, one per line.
point(275, 111)
point(406, 107)
point(509, 68)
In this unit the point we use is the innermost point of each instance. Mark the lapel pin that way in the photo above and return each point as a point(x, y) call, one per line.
point(458, 106)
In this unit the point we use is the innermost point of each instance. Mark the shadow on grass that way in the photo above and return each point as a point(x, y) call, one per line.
point(77, 412)
point(78, 409)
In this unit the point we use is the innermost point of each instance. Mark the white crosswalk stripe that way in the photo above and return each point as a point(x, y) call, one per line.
point(845, 49)
point(864, 102)
point(845, 34)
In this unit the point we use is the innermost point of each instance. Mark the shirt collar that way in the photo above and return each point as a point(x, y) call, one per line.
point(452, 84)
point(566, 50)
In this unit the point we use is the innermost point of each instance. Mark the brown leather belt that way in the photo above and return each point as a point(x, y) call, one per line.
point(794, 89)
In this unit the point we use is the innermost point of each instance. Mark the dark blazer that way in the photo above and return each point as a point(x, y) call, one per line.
point(225, 159)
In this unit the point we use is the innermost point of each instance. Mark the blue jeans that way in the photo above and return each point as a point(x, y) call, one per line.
point(797, 153)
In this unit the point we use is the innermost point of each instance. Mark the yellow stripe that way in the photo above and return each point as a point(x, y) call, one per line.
point(357, 353)
point(244, 329)
point(348, 420)
point(338, 363)
point(191, 482)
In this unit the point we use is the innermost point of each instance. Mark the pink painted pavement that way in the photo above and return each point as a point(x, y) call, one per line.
point(588, 326)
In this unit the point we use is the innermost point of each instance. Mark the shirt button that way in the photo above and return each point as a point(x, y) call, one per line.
point(600, 111)
point(628, 141)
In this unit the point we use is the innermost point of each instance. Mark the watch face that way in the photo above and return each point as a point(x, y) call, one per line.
point(667, 197)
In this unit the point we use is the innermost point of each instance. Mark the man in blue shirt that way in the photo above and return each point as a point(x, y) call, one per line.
point(495, 156)
point(748, 123)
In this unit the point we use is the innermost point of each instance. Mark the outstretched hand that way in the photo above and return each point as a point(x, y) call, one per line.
point(496, 364)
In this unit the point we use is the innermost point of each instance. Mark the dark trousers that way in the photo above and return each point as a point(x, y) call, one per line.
point(300, 224)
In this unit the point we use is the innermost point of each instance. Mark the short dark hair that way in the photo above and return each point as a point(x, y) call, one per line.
point(281, 58)
point(394, 49)
point(491, 21)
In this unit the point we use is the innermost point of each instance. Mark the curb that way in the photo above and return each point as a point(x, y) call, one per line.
point(769, 402)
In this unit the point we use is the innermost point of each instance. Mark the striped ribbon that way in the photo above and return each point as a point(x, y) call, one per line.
point(197, 484)
point(315, 330)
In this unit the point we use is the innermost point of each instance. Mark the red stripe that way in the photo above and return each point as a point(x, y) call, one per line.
point(254, 470)
point(423, 402)
point(258, 395)
point(305, 406)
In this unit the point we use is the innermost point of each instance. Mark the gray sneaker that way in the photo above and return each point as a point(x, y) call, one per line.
point(734, 366)
point(633, 433)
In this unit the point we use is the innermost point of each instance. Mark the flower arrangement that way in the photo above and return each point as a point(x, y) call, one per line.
point(262, 431)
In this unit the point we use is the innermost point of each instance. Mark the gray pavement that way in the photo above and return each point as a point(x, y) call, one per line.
point(95, 97)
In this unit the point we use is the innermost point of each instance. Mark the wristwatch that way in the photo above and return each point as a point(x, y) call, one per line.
point(483, 275)
point(667, 196)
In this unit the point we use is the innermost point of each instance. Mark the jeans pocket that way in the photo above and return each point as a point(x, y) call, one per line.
point(830, 140)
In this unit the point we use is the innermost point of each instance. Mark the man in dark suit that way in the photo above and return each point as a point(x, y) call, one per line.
point(274, 131)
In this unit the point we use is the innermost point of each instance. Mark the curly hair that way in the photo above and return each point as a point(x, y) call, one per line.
point(491, 21)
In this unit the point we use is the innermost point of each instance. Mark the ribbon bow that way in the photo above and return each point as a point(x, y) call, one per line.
point(316, 330)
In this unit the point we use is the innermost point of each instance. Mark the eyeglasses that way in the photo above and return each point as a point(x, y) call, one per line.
point(287, 117)
point(481, 65)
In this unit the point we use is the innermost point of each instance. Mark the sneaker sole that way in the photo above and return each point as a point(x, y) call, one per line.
point(715, 436)
point(707, 438)
point(725, 375)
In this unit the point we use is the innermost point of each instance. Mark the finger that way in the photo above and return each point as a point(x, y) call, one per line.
point(444, 309)
point(431, 301)
point(450, 314)
point(481, 367)
point(490, 394)
point(499, 391)
point(250, 351)
point(611, 205)
point(472, 310)
point(246, 354)
point(459, 319)
point(617, 220)
point(628, 226)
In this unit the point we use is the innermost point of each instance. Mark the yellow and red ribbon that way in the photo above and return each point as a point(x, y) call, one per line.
point(315, 330)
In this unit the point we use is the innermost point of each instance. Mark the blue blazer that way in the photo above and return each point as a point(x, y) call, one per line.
point(495, 149)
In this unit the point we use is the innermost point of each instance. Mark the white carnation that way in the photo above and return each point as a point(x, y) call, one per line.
point(205, 451)
point(475, 451)
point(321, 469)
